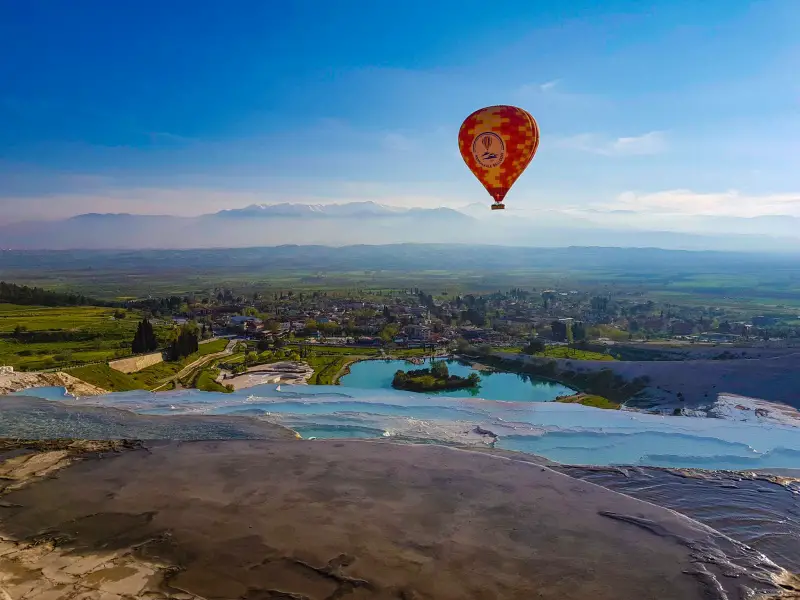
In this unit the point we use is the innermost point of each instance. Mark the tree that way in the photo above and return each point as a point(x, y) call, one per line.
point(558, 331)
point(144, 340)
point(473, 316)
point(578, 331)
point(250, 358)
point(185, 342)
point(485, 349)
point(439, 370)
point(599, 304)
point(534, 347)
point(389, 332)
point(462, 345)
point(22, 294)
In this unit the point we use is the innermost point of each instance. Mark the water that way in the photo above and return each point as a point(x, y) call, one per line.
point(749, 508)
point(57, 394)
point(336, 432)
point(567, 433)
point(378, 374)
point(754, 511)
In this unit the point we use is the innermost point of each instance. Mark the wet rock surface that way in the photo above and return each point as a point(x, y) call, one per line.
point(341, 519)
point(31, 417)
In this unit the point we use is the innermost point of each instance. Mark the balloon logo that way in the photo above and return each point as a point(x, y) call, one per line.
point(498, 143)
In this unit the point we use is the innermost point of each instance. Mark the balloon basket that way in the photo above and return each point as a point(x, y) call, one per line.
point(498, 206)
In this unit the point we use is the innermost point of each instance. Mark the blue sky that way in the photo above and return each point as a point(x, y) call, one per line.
point(674, 107)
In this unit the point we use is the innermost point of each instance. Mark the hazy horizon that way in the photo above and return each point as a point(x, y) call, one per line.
point(676, 117)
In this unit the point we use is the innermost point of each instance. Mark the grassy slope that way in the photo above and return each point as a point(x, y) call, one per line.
point(562, 352)
point(590, 400)
point(326, 367)
point(152, 376)
point(574, 354)
point(105, 377)
point(328, 361)
point(205, 381)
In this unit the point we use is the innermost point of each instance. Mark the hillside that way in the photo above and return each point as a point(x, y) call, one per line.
point(372, 223)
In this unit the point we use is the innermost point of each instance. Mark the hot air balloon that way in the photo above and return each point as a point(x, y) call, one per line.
point(498, 143)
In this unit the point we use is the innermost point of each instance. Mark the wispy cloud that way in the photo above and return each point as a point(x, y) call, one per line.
point(549, 85)
point(653, 142)
point(555, 93)
point(535, 89)
point(689, 203)
point(398, 142)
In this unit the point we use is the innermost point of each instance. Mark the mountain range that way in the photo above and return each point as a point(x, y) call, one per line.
point(373, 223)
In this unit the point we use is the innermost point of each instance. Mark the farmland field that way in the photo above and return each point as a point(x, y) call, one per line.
point(751, 281)
point(33, 337)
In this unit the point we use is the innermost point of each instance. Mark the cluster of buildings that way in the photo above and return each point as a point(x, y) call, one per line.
point(498, 319)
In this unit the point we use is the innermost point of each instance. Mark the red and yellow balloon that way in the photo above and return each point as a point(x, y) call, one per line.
point(498, 143)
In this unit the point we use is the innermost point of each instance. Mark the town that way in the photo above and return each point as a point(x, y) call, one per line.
point(222, 340)
point(412, 318)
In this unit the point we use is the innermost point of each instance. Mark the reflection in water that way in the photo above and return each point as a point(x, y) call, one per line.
point(497, 385)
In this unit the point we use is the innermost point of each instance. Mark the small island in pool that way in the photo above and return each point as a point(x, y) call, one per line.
point(435, 379)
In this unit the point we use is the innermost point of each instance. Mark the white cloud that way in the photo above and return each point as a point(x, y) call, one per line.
point(653, 142)
point(549, 85)
point(555, 94)
point(537, 89)
point(689, 203)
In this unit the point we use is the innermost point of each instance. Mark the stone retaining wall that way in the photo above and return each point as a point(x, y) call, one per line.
point(136, 363)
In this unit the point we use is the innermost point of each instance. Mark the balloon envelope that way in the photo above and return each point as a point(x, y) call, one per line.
point(498, 143)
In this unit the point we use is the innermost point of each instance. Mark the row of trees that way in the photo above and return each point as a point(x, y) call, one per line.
point(562, 331)
point(186, 341)
point(183, 341)
point(30, 296)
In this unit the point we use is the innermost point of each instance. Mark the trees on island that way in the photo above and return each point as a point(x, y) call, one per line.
point(436, 378)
